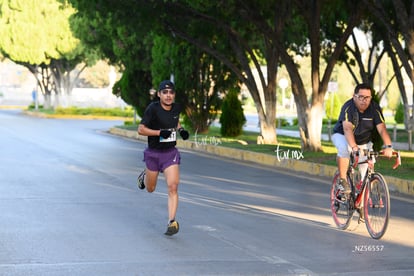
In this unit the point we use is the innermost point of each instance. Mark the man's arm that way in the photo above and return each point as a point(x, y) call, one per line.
point(145, 131)
point(349, 134)
point(382, 130)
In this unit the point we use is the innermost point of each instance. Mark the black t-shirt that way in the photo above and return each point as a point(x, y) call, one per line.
point(156, 117)
point(364, 123)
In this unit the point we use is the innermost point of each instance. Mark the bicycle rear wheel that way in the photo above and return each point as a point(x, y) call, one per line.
point(342, 211)
point(377, 206)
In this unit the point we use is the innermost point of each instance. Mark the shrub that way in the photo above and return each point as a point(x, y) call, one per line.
point(232, 117)
point(399, 114)
point(282, 122)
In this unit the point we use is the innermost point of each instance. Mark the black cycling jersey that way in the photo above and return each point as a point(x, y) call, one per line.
point(364, 123)
point(156, 117)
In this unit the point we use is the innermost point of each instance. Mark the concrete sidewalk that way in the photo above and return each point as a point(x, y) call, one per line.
point(271, 160)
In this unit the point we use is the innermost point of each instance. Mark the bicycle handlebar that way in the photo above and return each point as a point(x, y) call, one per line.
point(369, 154)
point(397, 160)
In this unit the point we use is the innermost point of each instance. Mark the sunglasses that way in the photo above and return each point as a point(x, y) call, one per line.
point(167, 91)
point(363, 98)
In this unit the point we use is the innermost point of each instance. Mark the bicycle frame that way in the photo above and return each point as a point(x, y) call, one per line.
point(371, 155)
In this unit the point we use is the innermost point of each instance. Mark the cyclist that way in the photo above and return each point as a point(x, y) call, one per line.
point(354, 129)
point(161, 124)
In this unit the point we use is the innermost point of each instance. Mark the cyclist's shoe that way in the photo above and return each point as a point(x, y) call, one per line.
point(140, 180)
point(172, 228)
point(361, 218)
point(344, 186)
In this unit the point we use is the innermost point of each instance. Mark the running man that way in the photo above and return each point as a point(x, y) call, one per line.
point(161, 124)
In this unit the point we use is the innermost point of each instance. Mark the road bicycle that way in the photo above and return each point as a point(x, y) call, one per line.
point(369, 195)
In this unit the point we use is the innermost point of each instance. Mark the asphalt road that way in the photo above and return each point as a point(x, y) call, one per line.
point(69, 206)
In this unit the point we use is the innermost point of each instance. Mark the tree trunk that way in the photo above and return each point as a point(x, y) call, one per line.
point(314, 126)
point(310, 127)
point(266, 113)
point(267, 131)
point(48, 101)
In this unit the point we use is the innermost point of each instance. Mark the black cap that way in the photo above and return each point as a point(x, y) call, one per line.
point(166, 84)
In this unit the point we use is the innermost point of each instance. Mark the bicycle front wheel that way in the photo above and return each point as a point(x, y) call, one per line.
point(341, 209)
point(377, 206)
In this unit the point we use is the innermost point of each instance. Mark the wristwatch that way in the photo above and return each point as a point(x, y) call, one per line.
point(387, 146)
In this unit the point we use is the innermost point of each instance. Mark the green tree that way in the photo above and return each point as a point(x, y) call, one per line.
point(37, 35)
point(194, 22)
point(244, 35)
point(199, 79)
point(232, 117)
point(274, 32)
point(396, 18)
point(336, 19)
point(147, 58)
point(123, 32)
point(240, 37)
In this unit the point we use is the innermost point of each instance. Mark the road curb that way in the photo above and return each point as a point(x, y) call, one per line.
point(395, 184)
